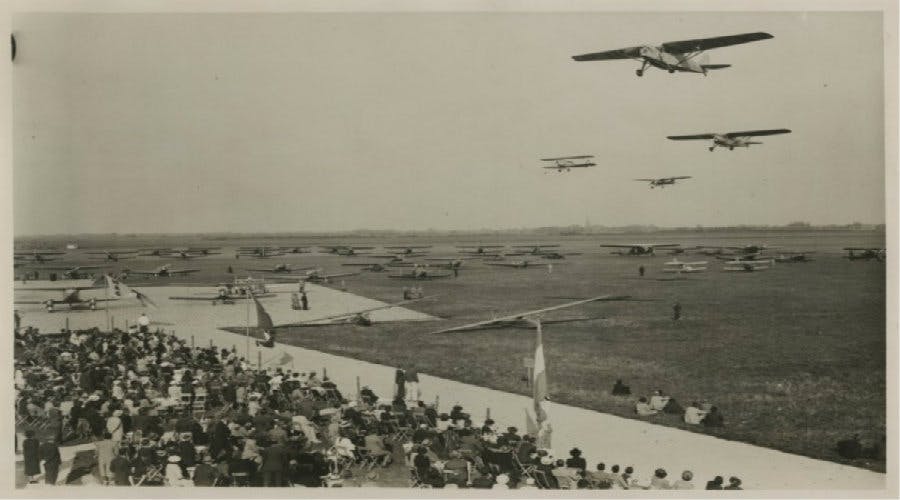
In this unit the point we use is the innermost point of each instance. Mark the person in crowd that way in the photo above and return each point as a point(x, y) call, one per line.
point(714, 418)
point(120, 468)
point(576, 461)
point(52, 460)
point(693, 415)
point(31, 455)
point(643, 409)
point(659, 481)
point(685, 482)
point(715, 483)
point(733, 484)
point(620, 389)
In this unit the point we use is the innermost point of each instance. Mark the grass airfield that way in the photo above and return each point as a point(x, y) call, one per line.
point(793, 356)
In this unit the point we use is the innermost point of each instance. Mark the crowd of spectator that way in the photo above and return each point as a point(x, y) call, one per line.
point(155, 411)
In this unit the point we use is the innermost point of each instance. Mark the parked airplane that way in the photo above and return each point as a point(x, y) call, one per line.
point(664, 181)
point(793, 257)
point(408, 250)
point(315, 276)
point(113, 255)
point(479, 250)
point(746, 265)
point(640, 248)
point(520, 320)
point(447, 262)
point(730, 140)
point(281, 269)
point(37, 255)
point(239, 289)
point(162, 272)
point(567, 163)
point(71, 296)
point(344, 250)
point(296, 249)
point(676, 266)
point(260, 252)
point(187, 253)
point(675, 56)
point(519, 264)
point(373, 267)
point(863, 253)
point(419, 272)
point(74, 272)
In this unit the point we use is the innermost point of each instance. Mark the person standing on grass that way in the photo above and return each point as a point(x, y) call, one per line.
point(641, 271)
point(304, 301)
point(676, 311)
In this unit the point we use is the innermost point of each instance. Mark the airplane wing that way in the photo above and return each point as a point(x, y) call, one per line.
point(645, 180)
point(626, 53)
point(513, 317)
point(680, 177)
point(183, 271)
point(429, 276)
point(339, 275)
point(143, 273)
point(71, 268)
point(691, 137)
point(318, 321)
point(685, 46)
point(536, 246)
point(755, 133)
point(580, 157)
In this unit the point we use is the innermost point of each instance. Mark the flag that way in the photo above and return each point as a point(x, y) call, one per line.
point(539, 381)
point(263, 320)
point(285, 359)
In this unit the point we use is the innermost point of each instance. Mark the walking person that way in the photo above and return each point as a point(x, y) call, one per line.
point(676, 311)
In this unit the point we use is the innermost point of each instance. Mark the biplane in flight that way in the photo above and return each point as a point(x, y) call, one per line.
point(731, 140)
point(682, 56)
point(164, 271)
point(639, 248)
point(864, 253)
point(567, 163)
point(520, 320)
point(664, 181)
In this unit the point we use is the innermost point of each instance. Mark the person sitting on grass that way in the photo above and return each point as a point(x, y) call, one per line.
point(621, 389)
point(714, 418)
point(659, 481)
point(733, 484)
point(693, 415)
point(643, 409)
point(658, 401)
point(685, 482)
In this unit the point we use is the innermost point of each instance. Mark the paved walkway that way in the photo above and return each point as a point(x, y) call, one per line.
point(600, 436)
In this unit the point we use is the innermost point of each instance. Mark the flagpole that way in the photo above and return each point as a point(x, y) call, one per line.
point(248, 331)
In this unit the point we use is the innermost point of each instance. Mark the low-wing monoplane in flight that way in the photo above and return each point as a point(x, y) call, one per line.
point(866, 253)
point(639, 248)
point(567, 163)
point(682, 56)
point(520, 320)
point(664, 181)
point(731, 140)
point(163, 271)
point(37, 255)
point(678, 267)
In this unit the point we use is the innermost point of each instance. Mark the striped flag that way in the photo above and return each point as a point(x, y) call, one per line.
point(539, 381)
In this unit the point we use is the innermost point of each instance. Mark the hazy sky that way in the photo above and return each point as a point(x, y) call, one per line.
point(212, 122)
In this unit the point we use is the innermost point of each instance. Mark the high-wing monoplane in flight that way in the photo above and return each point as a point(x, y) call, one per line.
point(866, 253)
point(664, 181)
point(639, 248)
point(163, 271)
point(682, 56)
point(731, 140)
point(520, 320)
point(567, 163)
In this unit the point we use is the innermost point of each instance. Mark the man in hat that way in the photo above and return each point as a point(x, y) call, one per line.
point(576, 461)
point(144, 323)
point(205, 474)
point(120, 468)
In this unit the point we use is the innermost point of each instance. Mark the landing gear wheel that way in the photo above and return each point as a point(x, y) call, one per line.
point(730, 148)
point(639, 72)
point(712, 148)
point(671, 71)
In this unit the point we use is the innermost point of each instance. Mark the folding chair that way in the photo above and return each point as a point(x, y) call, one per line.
point(540, 479)
point(415, 481)
point(401, 434)
point(153, 474)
